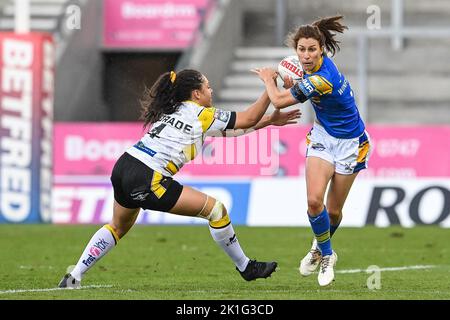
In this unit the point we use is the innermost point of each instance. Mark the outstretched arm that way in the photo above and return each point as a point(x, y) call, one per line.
point(253, 114)
point(277, 118)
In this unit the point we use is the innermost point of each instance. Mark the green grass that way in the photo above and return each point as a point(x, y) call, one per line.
point(183, 262)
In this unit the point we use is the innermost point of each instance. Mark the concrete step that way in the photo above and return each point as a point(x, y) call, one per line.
point(35, 24)
point(381, 58)
point(327, 7)
point(408, 113)
point(38, 10)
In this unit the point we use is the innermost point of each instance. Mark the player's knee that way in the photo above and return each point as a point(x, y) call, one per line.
point(334, 213)
point(315, 205)
point(218, 217)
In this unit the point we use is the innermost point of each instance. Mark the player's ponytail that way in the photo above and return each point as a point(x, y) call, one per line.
point(321, 30)
point(167, 94)
point(325, 26)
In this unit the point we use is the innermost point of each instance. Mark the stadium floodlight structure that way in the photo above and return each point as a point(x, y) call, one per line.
point(22, 16)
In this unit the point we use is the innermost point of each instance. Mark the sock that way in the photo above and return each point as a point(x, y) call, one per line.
point(321, 228)
point(226, 238)
point(99, 245)
point(333, 229)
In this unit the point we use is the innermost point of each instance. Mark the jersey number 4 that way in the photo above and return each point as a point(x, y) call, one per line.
point(154, 133)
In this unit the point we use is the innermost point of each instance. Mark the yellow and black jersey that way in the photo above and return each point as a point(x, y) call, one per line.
point(177, 138)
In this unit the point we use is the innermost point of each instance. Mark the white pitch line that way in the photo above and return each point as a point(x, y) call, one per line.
point(387, 269)
point(52, 289)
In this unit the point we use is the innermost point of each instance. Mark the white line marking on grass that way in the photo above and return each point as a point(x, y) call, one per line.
point(53, 289)
point(35, 267)
point(388, 269)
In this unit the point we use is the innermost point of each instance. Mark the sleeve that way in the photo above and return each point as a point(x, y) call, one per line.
point(213, 119)
point(311, 87)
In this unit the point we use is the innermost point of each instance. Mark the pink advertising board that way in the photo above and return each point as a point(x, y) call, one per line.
point(83, 149)
point(158, 24)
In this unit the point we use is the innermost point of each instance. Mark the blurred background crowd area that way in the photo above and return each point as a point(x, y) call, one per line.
point(395, 53)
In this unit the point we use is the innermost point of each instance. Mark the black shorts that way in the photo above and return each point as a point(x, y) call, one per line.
point(137, 186)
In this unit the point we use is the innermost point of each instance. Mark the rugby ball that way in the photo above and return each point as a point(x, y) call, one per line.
point(290, 66)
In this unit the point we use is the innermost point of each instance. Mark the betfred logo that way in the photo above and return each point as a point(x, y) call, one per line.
point(16, 104)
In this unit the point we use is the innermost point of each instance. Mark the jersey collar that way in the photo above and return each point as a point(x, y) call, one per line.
point(317, 67)
point(190, 101)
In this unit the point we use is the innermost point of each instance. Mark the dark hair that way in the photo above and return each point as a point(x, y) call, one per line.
point(167, 94)
point(321, 31)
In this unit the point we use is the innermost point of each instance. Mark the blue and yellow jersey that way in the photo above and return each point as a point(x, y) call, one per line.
point(332, 98)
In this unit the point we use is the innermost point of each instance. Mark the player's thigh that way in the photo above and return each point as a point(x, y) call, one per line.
point(339, 189)
point(191, 202)
point(318, 174)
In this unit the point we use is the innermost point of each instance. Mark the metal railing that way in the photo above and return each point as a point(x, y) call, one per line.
point(397, 32)
point(397, 36)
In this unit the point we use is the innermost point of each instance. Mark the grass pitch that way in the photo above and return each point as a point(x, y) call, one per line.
point(183, 262)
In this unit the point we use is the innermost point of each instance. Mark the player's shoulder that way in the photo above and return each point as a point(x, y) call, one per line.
point(190, 109)
point(330, 69)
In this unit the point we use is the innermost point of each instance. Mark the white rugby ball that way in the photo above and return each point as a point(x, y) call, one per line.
point(290, 66)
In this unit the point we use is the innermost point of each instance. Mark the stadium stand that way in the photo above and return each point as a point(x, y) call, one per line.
point(404, 86)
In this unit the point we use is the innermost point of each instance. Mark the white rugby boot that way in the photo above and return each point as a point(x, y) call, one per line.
point(69, 282)
point(311, 261)
point(326, 271)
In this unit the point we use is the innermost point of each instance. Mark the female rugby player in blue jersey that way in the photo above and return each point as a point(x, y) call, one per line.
point(337, 146)
point(178, 109)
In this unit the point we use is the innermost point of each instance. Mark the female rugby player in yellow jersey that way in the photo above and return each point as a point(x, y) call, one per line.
point(178, 109)
point(338, 145)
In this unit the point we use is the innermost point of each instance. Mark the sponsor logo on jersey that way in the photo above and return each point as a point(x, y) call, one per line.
point(222, 115)
point(306, 87)
point(321, 84)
